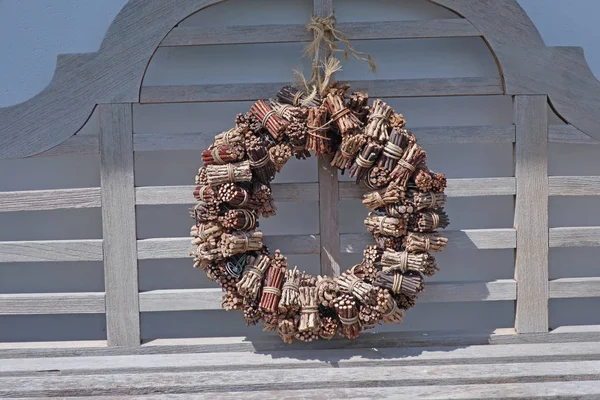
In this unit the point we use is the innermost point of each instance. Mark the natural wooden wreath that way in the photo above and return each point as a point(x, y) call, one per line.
point(406, 207)
point(371, 142)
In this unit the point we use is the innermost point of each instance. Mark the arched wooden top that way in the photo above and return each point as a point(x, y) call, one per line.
point(114, 74)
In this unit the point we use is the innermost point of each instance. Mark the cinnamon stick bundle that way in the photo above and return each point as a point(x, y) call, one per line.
point(349, 148)
point(327, 290)
point(407, 165)
point(364, 161)
point(222, 154)
point(309, 311)
point(392, 261)
point(385, 225)
point(250, 283)
point(408, 284)
point(297, 97)
point(426, 200)
point(428, 221)
point(378, 121)
point(439, 182)
point(240, 242)
point(297, 134)
point(318, 140)
point(228, 173)
point(350, 284)
point(290, 294)
point(271, 292)
point(346, 121)
point(381, 198)
point(268, 118)
point(346, 308)
point(418, 242)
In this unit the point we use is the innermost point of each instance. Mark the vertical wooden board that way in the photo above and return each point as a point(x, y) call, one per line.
point(531, 213)
point(329, 194)
point(118, 225)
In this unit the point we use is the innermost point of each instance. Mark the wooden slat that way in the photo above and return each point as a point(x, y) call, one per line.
point(531, 213)
point(38, 200)
point(376, 88)
point(329, 199)
point(463, 239)
point(51, 303)
point(282, 192)
point(210, 299)
point(173, 141)
point(568, 134)
point(118, 225)
point(465, 134)
point(255, 34)
point(159, 248)
point(585, 236)
point(74, 146)
point(51, 250)
point(468, 187)
point(564, 288)
point(574, 185)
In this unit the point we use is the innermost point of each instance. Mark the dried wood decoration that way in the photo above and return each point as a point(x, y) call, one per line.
point(405, 206)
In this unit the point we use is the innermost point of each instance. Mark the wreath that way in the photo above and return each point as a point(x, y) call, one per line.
point(371, 143)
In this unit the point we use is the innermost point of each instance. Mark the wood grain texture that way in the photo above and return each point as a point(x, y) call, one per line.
point(467, 187)
point(464, 239)
point(531, 213)
point(465, 134)
point(158, 248)
point(574, 185)
point(38, 200)
point(564, 288)
point(255, 34)
point(584, 236)
point(75, 145)
point(568, 134)
point(51, 303)
point(51, 250)
point(376, 88)
point(118, 225)
point(282, 192)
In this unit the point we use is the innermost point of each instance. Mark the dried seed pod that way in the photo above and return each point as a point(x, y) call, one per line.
point(364, 161)
point(392, 261)
point(426, 200)
point(350, 284)
point(229, 173)
point(346, 308)
point(222, 154)
point(309, 310)
point(290, 294)
point(250, 283)
point(268, 118)
point(329, 327)
point(408, 284)
point(385, 225)
point(421, 242)
point(381, 198)
point(407, 165)
point(327, 290)
point(240, 242)
point(297, 97)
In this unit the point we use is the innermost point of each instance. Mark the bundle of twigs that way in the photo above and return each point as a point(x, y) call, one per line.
point(205, 211)
point(347, 311)
point(240, 242)
point(280, 154)
point(234, 137)
point(385, 225)
point(426, 200)
point(417, 242)
point(287, 328)
point(228, 173)
point(206, 193)
point(290, 294)
point(268, 118)
point(439, 181)
point(260, 161)
point(427, 221)
point(309, 311)
point(368, 316)
point(307, 336)
point(378, 177)
point(251, 280)
point(408, 284)
point(297, 97)
point(232, 301)
point(252, 313)
point(392, 261)
point(206, 230)
point(329, 327)
point(364, 161)
point(399, 210)
point(222, 154)
point(349, 148)
point(262, 201)
point(289, 112)
point(372, 254)
point(318, 140)
point(234, 195)
point(407, 165)
point(397, 121)
point(327, 290)
point(208, 249)
point(346, 121)
point(350, 284)
point(423, 180)
point(394, 149)
point(381, 198)
point(201, 177)
point(358, 103)
point(388, 308)
point(247, 124)
point(271, 292)
point(378, 122)
point(270, 321)
point(388, 242)
point(365, 271)
point(297, 134)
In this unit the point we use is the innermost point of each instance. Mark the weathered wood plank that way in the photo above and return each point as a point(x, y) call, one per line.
point(574, 185)
point(118, 225)
point(75, 145)
point(51, 250)
point(172, 142)
point(568, 134)
point(255, 34)
point(281, 379)
point(464, 239)
point(376, 88)
point(531, 213)
point(159, 248)
point(468, 187)
point(38, 200)
point(329, 199)
point(51, 303)
point(564, 288)
point(465, 134)
point(282, 192)
point(584, 236)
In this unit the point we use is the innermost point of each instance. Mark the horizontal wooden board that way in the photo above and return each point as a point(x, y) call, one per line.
point(282, 192)
point(38, 200)
point(172, 141)
point(568, 134)
point(51, 250)
point(51, 303)
point(255, 34)
point(564, 288)
point(376, 88)
point(584, 236)
point(159, 248)
point(468, 187)
point(574, 185)
point(464, 239)
point(75, 145)
point(210, 299)
point(465, 134)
